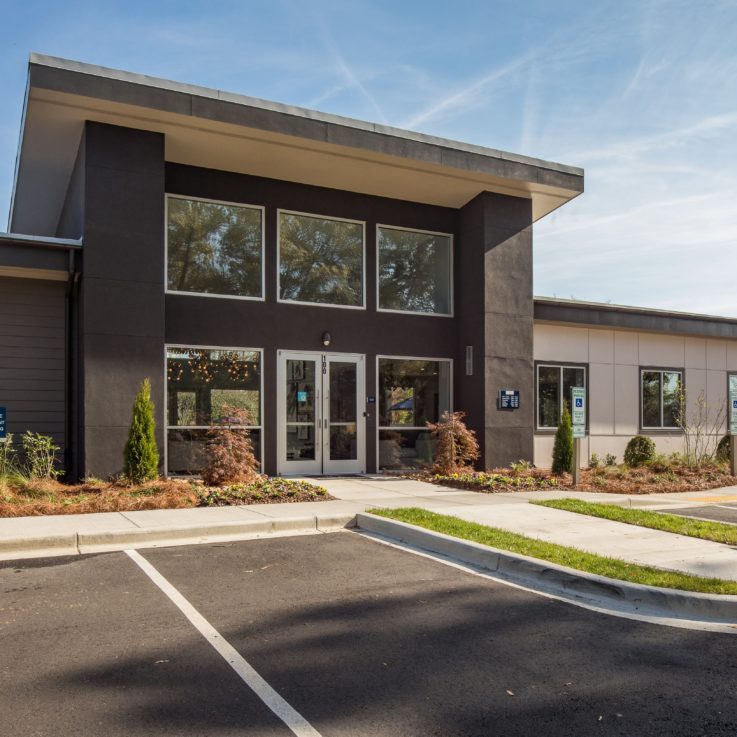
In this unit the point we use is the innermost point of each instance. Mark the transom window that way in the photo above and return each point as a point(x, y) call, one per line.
point(554, 384)
point(214, 248)
point(412, 391)
point(201, 384)
point(321, 260)
point(415, 271)
point(661, 398)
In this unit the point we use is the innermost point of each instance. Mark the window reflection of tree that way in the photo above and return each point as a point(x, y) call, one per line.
point(320, 260)
point(414, 271)
point(213, 248)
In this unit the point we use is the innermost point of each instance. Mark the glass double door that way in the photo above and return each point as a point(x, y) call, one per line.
point(320, 416)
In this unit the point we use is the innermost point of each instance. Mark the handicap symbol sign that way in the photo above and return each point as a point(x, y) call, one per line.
point(579, 402)
point(734, 404)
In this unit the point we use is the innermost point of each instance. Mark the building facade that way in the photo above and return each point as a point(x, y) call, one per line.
point(337, 283)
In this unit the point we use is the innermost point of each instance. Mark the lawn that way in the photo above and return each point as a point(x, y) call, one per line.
point(559, 554)
point(705, 530)
point(30, 497)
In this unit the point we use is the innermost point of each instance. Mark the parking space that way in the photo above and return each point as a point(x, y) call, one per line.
point(358, 637)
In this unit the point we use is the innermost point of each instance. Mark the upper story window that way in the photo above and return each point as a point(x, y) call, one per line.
point(214, 248)
point(321, 260)
point(415, 271)
point(554, 384)
point(661, 398)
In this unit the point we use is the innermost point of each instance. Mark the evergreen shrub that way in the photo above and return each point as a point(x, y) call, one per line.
point(639, 451)
point(563, 446)
point(141, 455)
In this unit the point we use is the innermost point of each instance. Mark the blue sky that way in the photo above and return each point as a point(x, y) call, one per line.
point(641, 94)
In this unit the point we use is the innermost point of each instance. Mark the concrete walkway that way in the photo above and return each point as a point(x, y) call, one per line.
point(509, 511)
point(512, 512)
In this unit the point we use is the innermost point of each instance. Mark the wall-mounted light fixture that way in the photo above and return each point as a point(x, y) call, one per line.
point(326, 338)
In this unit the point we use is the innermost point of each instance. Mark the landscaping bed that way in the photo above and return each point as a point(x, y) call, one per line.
point(654, 479)
point(33, 497)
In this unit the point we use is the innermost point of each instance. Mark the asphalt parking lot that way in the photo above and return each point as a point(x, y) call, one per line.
point(726, 512)
point(358, 637)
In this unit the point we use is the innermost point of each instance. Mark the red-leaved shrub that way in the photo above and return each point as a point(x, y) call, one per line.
point(229, 450)
point(456, 447)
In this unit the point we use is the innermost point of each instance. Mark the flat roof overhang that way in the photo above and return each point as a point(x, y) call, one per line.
point(221, 130)
point(622, 317)
point(27, 257)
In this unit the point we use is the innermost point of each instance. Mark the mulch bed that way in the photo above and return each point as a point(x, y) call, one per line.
point(47, 496)
point(610, 479)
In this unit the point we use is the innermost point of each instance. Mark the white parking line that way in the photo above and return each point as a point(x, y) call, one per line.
point(293, 719)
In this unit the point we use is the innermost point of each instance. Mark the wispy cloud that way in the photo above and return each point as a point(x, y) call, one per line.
point(352, 80)
point(469, 95)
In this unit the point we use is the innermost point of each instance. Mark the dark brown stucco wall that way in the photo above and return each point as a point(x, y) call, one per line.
point(122, 289)
point(271, 325)
point(497, 238)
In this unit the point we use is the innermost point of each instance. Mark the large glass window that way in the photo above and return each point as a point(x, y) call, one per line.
point(415, 271)
point(214, 248)
point(320, 260)
point(201, 383)
point(554, 384)
point(661, 399)
point(411, 393)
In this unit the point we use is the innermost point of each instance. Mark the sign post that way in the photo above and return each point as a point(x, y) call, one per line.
point(578, 423)
point(733, 424)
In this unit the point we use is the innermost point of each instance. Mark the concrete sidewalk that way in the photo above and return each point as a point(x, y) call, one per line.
point(23, 536)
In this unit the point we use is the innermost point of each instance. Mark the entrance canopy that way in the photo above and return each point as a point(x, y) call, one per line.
point(221, 130)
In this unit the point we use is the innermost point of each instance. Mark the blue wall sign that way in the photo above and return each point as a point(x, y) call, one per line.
point(509, 399)
point(3, 424)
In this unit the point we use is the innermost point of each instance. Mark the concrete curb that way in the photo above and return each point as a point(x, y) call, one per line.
point(566, 583)
point(76, 543)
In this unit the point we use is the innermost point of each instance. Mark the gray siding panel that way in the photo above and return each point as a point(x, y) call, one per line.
point(32, 343)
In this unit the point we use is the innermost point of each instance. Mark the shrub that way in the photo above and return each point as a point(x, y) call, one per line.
point(229, 450)
point(610, 459)
point(563, 446)
point(8, 457)
point(639, 451)
point(722, 453)
point(594, 461)
point(39, 453)
point(456, 447)
point(141, 455)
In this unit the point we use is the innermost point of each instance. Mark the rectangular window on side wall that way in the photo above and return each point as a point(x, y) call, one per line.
point(661, 394)
point(321, 260)
point(554, 384)
point(214, 248)
point(202, 384)
point(412, 391)
point(415, 271)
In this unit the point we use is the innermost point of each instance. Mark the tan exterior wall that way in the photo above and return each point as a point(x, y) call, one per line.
point(614, 358)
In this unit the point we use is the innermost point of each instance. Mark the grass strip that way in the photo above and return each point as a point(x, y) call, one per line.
point(559, 554)
point(717, 532)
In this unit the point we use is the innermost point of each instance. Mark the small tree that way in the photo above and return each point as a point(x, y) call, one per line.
point(229, 450)
point(456, 446)
point(563, 446)
point(141, 455)
point(701, 424)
